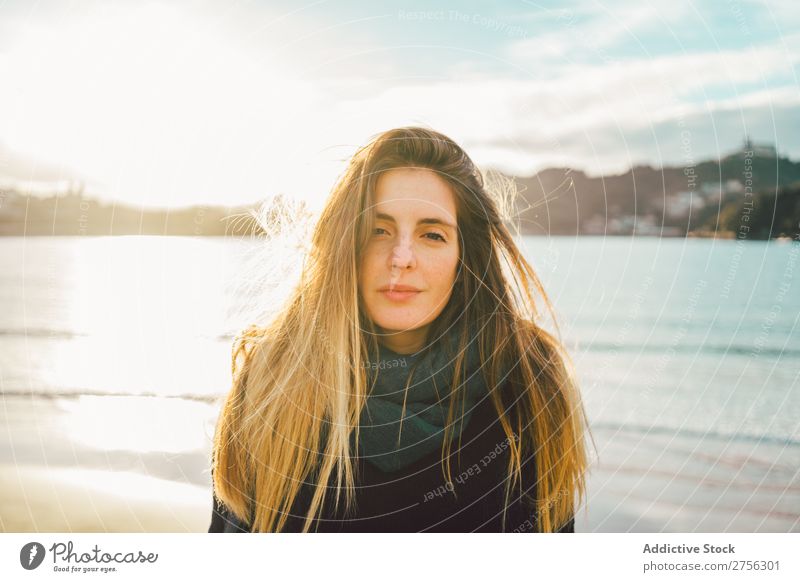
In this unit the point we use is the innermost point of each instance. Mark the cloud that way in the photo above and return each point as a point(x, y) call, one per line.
point(522, 124)
point(149, 101)
point(581, 31)
point(200, 113)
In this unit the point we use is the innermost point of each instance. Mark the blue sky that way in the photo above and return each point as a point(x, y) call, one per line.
point(171, 103)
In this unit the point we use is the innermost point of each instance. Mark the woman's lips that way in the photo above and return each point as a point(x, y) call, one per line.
point(394, 295)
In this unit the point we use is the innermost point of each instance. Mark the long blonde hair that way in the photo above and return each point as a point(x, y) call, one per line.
point(299, 383)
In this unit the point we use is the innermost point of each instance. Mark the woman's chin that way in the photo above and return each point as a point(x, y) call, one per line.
point(393, 326)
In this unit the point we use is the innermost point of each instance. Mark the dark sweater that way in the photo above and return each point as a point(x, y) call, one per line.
point(416, 499)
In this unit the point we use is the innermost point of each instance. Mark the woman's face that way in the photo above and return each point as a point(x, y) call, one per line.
point(408, 267)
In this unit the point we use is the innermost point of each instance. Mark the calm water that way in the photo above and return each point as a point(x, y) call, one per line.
point(692, 337)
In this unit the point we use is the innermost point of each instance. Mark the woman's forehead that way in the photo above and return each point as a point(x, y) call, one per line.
point(411, 192)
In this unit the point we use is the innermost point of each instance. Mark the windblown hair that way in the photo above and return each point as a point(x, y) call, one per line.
point(299, 381)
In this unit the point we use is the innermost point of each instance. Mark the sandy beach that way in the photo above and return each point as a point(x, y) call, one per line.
point(65, 466)
point(136, 464)
point(676, 483)
point(37, 499)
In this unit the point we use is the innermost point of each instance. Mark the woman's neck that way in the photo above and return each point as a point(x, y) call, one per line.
point(404, 342)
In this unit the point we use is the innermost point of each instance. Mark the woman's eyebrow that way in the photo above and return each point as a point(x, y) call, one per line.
point(436, 221)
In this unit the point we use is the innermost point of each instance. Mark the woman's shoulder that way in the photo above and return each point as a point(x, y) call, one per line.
point(223, 521)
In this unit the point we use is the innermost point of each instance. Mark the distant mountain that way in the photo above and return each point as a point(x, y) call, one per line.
point(774, 213)
point(75, 214)
point(672, 201)
point(712, 198)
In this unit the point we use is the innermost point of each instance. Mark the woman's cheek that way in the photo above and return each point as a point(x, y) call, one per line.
point(446, 267)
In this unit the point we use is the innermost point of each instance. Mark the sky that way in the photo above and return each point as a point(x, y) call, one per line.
point(175, 103)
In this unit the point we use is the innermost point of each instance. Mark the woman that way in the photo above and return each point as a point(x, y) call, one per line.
point(405, 385)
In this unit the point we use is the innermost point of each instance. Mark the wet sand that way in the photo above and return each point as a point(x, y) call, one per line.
point(677, 483)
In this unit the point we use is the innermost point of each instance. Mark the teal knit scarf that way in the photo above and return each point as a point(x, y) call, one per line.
point(392, 438)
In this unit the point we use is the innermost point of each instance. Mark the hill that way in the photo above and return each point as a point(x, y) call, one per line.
point(671, 201)
point(750, 194)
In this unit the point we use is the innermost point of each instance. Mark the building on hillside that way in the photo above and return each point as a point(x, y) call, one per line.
point(759, 150)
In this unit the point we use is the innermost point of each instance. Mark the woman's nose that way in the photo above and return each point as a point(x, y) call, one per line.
point(402, 257)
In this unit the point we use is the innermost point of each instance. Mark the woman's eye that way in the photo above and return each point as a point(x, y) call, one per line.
point(432, 235)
